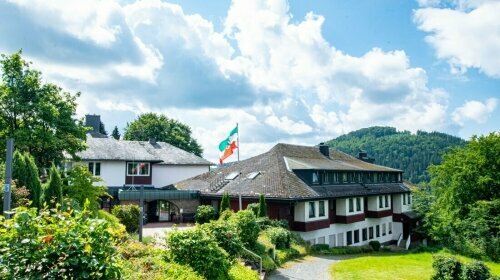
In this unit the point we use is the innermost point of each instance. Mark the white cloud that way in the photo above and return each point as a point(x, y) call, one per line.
point(466, 35)
point(474, 110)
point(285, 124)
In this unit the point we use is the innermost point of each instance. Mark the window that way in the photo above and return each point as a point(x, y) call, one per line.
point(356, 236)
point(370, 232)
point(383, 230)
point(390, 227)
point(321, 208)
point(351, 205)
point(386, 201)
point(365, 234)
point(409, 198)
point(312, 214)
point(404, 199)
point(332, 205)
point(377, 231)
point(399, 177)
point(315, 178)
point(95, 168)
point(358, 203)
point(349, 237)
point(138, 169)
point(335, 177)
point(344, 177)
point(380, 201)
point(325, 178)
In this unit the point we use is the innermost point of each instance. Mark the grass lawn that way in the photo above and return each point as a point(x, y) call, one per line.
point(392, 266)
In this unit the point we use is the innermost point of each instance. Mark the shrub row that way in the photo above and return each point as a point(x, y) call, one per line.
point(344, 250)
point(450, 268)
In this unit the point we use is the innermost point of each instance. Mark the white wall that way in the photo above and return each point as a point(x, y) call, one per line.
point(164, 175)
point(112, 173)
point(300, 212)
point(398, 207)
point(343, 206)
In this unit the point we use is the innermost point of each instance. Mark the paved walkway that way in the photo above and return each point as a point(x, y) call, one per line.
point(159, 229)
point(309, 268)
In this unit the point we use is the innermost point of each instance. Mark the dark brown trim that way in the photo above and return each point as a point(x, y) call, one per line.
point(350, 219)
point(402, 218)
point(379, 214)
point(310, 226)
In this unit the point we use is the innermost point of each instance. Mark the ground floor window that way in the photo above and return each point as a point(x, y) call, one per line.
point(349, 237)
point(383, 230)
point(370, 231)
point(365, 234)
point(377, 231)
point(356, 236)
point(390, 227)
point(321, 240)
point(331, 240)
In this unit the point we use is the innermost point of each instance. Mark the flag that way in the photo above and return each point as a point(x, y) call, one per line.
point(228, 145)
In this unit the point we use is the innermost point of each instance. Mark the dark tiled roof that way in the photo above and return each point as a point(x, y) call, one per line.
point(103, 149)
point(276, 178)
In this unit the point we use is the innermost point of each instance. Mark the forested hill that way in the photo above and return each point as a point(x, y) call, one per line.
point(412, 153)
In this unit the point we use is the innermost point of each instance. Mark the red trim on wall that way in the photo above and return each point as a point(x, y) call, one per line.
point(379, 214)
point(310, 226)
point(350, 219)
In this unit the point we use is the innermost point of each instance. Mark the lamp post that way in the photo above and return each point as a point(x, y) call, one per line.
point(141, 210)
point(8, 178)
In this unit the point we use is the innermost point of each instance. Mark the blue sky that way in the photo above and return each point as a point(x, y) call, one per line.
point(287, 71)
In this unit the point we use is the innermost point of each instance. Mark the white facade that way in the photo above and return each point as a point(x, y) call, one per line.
point(164, 175)
point(303, 213)
point(402, 202)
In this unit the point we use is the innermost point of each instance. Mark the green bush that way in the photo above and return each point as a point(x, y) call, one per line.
point(475, 271)
point(265, 222)
point(246, 224)
point(225, 204)
point(284, 255)
point(446, 268)
point(128, 216)
point(204, 214)
point(197, 249)
point(56, 245)
point(254, 207)
point(279, 236)
point(320, 248)
point(375, 245)
point(225, 215)
point(240, 272)
point(116, 229)
point(226, 236)
point(174, 271)
point(262, 207)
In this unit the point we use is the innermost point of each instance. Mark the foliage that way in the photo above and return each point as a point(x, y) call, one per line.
point(266, 222)
point(197, 249)
point(225, 215)
point(19, 196)
point(115, 228)
point(56, 245)
point(279, 236)
point(52, 192)
point(254, 207)
point(464, 210)
point(116, 133)
point(128, 216)
point(402, 150)
point(262, 207)
point(102, 128)
point(347, 250)
point(204, 214)
point(151, 125)
point(224, 204)
point(265, 253)
point(375, 245)
point(246, 224)
point(40, 116)
point(226, 236)
point(284, 255)
point(241, 272)
point(25, 172)
point(446, 268)
point(174, 271)
point(81, 187)
point(475, 271)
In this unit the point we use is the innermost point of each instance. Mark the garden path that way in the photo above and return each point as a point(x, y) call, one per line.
point(309, 268)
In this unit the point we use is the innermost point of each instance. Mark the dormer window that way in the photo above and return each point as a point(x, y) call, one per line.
point(315, 178)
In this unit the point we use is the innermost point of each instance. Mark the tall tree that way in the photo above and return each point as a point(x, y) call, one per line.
point(52, 193)
point(224, 204)
point(151, 125)
point(116, 133)
point(40, 116)
point(262, 206)
point(33, 183)
point(102, 128)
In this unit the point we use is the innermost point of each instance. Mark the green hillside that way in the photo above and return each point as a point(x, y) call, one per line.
point(412, 153)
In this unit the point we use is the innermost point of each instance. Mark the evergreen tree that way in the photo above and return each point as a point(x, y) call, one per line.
point(224, 205)
point(102, 129)
point(33, 180)
point(262, 206)
point(116, 133)
point(52, 193)
point(19, 170)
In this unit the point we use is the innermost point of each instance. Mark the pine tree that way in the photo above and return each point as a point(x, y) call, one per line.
point(224, 205)
point(116, 133)
point(33, 180)
point(102, 129)
point(19, 170)
point(52, 193)
point(262, 206)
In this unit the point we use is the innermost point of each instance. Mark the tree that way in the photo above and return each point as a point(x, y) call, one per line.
point(465, 191)
point(52, 193)
point(33, 183)
point(116, 133)
point(224, 204)
point(39, 116)
point(81, 187)
point(102, 129)
point(151, 125)
point(262, 206)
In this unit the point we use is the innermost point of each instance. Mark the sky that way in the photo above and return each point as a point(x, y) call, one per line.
point(299, 72)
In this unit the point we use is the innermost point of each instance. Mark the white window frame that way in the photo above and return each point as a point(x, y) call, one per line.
point(137, 169)
point(93, 170)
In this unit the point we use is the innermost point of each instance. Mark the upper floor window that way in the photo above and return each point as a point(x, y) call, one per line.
point(399, 177)
point(312, 213)
point(404, 199)
point(409, 198)
point(386, 201)
point(344, 177)
point(95, 168)
point(351, 205)
point(380, 201)
point(315, 178)
point(138, 169)
point(358, 203)
point(321, 208)
point(325, 178)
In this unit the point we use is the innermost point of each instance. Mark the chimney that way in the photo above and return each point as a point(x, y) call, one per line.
point(363, 155)
point(93, 121)
point(324, 149)
point(152, 140)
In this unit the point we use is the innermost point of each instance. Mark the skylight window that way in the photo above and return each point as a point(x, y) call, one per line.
point(232, 176)
point(252, 175)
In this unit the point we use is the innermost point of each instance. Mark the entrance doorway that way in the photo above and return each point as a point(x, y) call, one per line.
point(162, 211)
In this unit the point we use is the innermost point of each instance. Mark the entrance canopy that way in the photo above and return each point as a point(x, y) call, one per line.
point(158, 194)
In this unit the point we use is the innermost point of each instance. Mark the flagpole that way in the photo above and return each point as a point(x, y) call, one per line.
point(238, 141)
